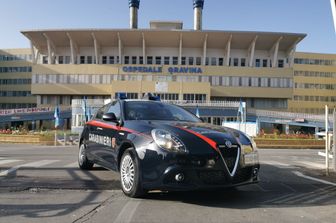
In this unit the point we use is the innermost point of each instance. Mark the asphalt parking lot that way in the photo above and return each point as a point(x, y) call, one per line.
point(44, 184)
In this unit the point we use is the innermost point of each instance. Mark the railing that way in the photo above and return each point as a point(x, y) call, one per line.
point(288, 115)
point(186, 103)
point(192, 103)
point(79, 102)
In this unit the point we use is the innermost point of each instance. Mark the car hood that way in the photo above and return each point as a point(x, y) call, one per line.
point(188, 131)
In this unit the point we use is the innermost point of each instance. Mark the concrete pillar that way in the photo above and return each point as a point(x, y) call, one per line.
point(205, 49)
point(180, 51)
point(227, 51)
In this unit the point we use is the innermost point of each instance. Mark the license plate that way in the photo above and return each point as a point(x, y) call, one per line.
point(251, 159)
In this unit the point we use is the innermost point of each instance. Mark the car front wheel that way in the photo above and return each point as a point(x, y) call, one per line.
point(129, 175)
point(83, 161)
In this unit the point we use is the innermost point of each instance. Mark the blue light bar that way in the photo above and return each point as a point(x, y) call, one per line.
point(151, 97)
point(154, 98)
point(121, 95)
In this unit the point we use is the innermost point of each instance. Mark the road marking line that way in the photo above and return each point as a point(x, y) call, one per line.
point(319, 198)
point(294, 196)
point(126, 214)
point(274, 200)
point(324, 154)
point(32, 164)
point(299, 174)
point(277, 164)
point(261, 188)
point(288, 187)
point(311, 164)
point(311, 195)
point(8, 161)
point(74, 164)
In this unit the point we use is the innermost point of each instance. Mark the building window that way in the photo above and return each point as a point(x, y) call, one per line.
point(220, 61)
point(235, 62)
point(167, 96)
point(191, 60)
point(257, 62)
point(242, 62)
point(111, 60)
point(67, 60)
point(126, 59)
point(141, 60)
point(82, 60)
point(118, 60)
point(104, 60)
point(234, 81)
point(45, 60)
point(207, 61)
point(149, 60)
point(166, 60)
point(213, 61)
point(134, 60)
point(280, 63)
point(198, 61)
point(89, 59)
point(183, 60)
point(264, 62)
point(215, 80)
point(194, 97)
point(158, 60)
point(60, 60)
point(175, 60)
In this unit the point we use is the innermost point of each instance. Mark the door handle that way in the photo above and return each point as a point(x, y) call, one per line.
point(98, 128)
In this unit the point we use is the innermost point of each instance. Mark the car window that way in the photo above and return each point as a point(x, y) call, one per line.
point(100, 112)
point(115, 108)
point(148, 110)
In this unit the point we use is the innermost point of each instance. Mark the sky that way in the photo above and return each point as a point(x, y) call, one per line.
point(312, 17)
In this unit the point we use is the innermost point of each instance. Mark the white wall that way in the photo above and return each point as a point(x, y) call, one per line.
point(250, 128)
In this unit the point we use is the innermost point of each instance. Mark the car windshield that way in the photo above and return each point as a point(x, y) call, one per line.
point(150, 110)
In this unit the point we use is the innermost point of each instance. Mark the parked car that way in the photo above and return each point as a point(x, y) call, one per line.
point(158, 146)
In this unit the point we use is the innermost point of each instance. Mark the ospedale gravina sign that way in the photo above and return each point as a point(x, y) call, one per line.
point(157, 69)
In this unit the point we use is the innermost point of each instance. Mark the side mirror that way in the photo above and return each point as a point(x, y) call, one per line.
point(110, 117)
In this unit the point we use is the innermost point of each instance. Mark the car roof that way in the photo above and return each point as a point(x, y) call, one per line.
point(143, 100)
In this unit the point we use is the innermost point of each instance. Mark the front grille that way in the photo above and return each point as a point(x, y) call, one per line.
point(230, 156)
point(212, 177)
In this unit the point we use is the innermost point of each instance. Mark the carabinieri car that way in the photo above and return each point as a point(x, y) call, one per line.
point(159, 146)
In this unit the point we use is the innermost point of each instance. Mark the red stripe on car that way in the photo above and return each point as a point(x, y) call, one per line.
point(108, 126)
point(212, 143)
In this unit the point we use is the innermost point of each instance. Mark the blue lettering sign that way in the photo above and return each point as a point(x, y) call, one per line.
point(142, 69)
point(171, 70)
point(185, 70)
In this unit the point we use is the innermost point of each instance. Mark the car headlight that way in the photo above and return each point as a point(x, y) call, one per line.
point(248, 144)
point(254, 145)
point(167, 141)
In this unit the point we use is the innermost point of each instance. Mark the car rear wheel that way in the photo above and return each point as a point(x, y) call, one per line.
point(129, 175)
point(83, 161)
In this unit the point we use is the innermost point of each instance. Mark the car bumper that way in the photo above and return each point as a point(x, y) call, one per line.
point(179, 178)
point(168, 172)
